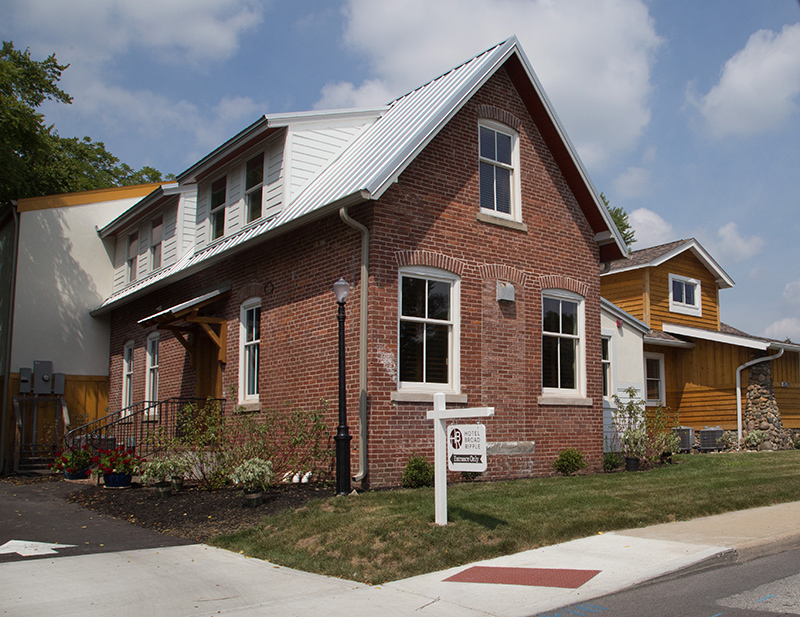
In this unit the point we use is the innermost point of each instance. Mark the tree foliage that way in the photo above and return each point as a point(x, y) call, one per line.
point(620, 218)
point(34, 159)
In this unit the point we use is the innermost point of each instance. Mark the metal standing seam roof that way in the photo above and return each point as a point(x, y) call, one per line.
point(368, 166)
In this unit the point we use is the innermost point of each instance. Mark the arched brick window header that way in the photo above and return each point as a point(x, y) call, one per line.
point(431, 260)
point(503, 273)
point(252, 290)
point(557, 281)
point(490, 112)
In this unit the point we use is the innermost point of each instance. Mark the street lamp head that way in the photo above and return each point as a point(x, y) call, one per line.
point(341, 290)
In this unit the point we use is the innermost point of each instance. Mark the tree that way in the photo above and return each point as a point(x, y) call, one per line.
point(620, 218)
point(34, 159)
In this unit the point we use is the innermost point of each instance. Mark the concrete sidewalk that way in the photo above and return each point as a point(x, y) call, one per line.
point(200, 580)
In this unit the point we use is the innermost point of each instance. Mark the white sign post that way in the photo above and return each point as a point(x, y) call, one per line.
point(440, 415)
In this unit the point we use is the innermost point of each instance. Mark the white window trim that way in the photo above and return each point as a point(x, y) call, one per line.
point(221, 208)
point(580, 356)
point(152, 368)
point(609, 336)
point(516, 185)
point(453, 386)
point(127, 375)
point(247, 305)
point(253, 189)
point(662, 378)
point(695, 309)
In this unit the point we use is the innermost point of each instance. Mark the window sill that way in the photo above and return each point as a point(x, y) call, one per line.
point(565, 401)
point(249, 407)
point(425, 397)
point(491, 219)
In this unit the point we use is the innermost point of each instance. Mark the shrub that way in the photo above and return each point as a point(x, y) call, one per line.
point(418, 472)
point(755, 438)
point(569, 461)
point(253, 474)
point(730, 440)
point(644, 433)
point(612, 461)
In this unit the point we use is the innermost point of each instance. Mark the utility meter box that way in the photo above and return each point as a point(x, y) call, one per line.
point(25, 376)
point(42, 377)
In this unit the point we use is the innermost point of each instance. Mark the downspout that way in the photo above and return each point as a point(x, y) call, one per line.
point(362, 345)
point(7, 376)
point(739, 387)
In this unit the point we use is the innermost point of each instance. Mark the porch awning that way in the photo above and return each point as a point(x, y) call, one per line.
point(179, 311)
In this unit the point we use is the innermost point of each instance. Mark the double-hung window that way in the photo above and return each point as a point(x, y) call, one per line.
point(218, 197)
point(133, 254)
point(605, 343)
point(562, 343)
point(127, 375)
point(654, 378)
point(428, 330)
point(498, 170)
point(151, 378)
point(250, 348)
point(253, 187)
point(156, 235)
point(684, 295)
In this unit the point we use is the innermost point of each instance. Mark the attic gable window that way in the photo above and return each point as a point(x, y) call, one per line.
point(156, 235)
point(684, 295)
point(218, 196)
point(133, 253)
point(254, 180)
point(499, 163)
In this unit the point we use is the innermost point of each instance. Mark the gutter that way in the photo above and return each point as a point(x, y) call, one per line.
point(7, 376)
point(739, 387)
point(362, 344)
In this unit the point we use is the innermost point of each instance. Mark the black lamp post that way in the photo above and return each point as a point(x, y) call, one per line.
point(341, 289)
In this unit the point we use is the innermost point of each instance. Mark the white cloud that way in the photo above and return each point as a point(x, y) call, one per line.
point(758, 88)
point(593, 56)
point(650, 228)
point(372, 92)
point(782, 329)
point(731, 246)
point(633, 182)
point(791, 292)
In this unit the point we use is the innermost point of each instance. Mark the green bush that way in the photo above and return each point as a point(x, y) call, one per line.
point(418, 472)
point(755, 438)
point(612, 461)
point(569, 461)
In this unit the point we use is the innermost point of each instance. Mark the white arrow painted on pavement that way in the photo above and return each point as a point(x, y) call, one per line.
point(30, 549)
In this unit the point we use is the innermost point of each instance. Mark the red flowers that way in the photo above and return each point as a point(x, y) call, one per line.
point(118, 460)
point(73, 461)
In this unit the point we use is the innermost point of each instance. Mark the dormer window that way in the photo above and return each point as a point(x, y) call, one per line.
point(156, 235)
point(499, 161)
point(218, 196)
point(254, 181)
point(684, 295)
point(133, 253)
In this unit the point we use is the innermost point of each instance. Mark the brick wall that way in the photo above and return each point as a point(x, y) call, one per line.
point(427, 218)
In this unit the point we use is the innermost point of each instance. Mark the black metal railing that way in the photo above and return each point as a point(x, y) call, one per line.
point(143, 428)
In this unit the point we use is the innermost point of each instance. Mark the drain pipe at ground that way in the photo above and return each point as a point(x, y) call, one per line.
point(362, 345)
point(739, 387)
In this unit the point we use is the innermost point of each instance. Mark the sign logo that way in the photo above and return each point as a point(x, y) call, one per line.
point(466, 447)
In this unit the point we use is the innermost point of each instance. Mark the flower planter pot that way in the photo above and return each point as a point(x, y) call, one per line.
point(163, 489)
point(253, 499)
point(76, 475)
point(631, 464)
point(117, 480)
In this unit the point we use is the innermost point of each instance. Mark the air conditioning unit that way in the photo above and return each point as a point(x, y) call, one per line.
point(711, 438)
point(686, 435)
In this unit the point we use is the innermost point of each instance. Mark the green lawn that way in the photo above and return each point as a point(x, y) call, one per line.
point(387, 535)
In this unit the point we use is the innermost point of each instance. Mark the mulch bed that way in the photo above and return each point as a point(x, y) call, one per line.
point(192, 513)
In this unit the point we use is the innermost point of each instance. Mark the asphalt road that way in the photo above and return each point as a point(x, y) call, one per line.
point(38, 513)
point(761, 587)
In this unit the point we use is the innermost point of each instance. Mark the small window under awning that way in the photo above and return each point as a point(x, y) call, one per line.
point(177, 312)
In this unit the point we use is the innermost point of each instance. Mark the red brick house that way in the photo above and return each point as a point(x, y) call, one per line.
point(468, 229)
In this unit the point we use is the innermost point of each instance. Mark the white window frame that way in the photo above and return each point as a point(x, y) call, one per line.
point(515, 186)
point(219, 210)
point(127, 374)
point(580, 353)
point(607, 364)
point(453, 384)
point(662, 382)
point(151, 374)
point(156, 243)
point(132, 259)
point(680, 306)
point(245, 397)
point(257, 188)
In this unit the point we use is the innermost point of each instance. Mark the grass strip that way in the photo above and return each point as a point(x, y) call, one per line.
point(381, 536)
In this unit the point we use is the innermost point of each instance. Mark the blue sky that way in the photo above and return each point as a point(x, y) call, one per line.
point(684, 112)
